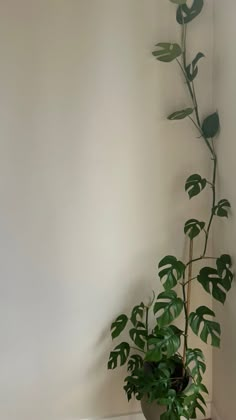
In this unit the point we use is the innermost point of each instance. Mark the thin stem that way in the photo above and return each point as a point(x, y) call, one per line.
point(190, 280)
point(197, 127)
point(213, 205)
point(199, 259)
point(187, 299)
point(197, 124)
point(147, 313)
point(186, 322)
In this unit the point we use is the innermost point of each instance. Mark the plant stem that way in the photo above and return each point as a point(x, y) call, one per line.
point(197, 124)
point(213, 204)
point(147, 313)
point(186, 322)
point(187, 299)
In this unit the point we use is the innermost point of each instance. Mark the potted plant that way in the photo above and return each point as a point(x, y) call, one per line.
point(165, 373)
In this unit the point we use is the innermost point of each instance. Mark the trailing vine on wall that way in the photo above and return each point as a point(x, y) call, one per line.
point(157, 369)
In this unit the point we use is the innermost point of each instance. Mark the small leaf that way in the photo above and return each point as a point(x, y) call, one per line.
point(194, 185)
point(137, 313)
point(221, 209)
point(135, 362)
point(120, 352)
point(214, 283)
point(192, 69)
point(164, 345)
point(118, 325)
point(211, 125)
point(180, 115)
point(179, 1)
point(186, 14)
point(167, 52)
point(193, 227)
point(139, 336)
point(170, 271)
point(195, 362)
point(197, 320)
point(168, 307)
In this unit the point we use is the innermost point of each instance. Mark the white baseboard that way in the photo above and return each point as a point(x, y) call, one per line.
point(139, 416)
point(214, 414)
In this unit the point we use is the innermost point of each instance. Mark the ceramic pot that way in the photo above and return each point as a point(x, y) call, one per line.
point(152, 411)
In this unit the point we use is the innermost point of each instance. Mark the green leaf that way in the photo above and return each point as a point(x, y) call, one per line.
point(211, 125)
point(168, 307)
point(179, 1)
point(167, 52)
point(194, 400)
point(120, 352)
point(170, 271)
point(180, 115)
point(221, 209)
point(118, 325)
point(135, 362)
point(130, 390)
point(137, 313)
point(194, 185)
point(195, 362)
point(215, 284)
point(208, 328)
point(186, 14)
point(192, 69)
point(193, 227)
point(139, 335)
point(164, 345)
point(223, 264)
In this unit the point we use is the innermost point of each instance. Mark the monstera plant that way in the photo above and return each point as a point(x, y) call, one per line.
point(163, 369)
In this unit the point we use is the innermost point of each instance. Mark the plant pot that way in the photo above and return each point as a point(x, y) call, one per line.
point(151, 411)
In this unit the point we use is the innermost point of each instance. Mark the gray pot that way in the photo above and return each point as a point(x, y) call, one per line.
point(152, 411)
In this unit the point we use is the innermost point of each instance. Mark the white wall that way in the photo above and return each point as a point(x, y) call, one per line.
point(91, 185)
point(225, 96)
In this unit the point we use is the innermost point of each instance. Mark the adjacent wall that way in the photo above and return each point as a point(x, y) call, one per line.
point(225, 233)
point(91, 186)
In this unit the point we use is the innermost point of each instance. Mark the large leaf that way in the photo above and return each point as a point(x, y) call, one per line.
point(139, 335)
point(195, 362)
point(221, 209)
point(186, 14)
point(194, 400)
point(180, 115)
point(170, 271)
point(194, 185)
point(174, 402)
point(211, 125)
point(208, 328)
point(120, 352)
point(135, 362)
point(137, 313)
point(216, 282)
point(193, 227)
point(168, 307)
point(118, 325)
point(192, 69)
point(167, 52)
point(164, 345)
